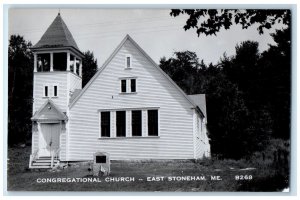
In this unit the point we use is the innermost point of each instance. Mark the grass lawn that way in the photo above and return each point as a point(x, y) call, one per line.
point(264, 177)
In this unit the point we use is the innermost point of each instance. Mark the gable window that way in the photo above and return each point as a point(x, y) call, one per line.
point(133, 85)
point(46, 91)
point(153, 122)
point(128, 62)
point(128, 85)
point(55, 91)
point(123, 85)
point(121, 123)
point(105, 124)
point(136, 116)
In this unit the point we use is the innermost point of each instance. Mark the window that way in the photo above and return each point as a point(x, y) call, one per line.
point(123, 85)
point(153, 122)
point(121, 123)
point(128, 61)
point(46, 91)
point(55, 93)
point(136, 116)
point(105, 124)
point(43, 62)
point(133, 85)
point(128, 85)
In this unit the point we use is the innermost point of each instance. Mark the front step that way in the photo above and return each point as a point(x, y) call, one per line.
point(43, 162)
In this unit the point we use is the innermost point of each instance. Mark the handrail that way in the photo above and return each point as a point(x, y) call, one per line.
point(54, 155)
point(34, 155)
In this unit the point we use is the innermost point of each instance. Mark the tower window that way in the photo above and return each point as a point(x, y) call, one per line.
point(46, 91)
point(55, 94)
point(43, 62)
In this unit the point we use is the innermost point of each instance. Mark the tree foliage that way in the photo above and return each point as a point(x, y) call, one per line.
point(20, 71)
point(89, 67)
point(211, 21)
point(248, 94)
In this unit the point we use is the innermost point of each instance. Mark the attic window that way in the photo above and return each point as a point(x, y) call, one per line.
point(128, 85)
point(128, 62)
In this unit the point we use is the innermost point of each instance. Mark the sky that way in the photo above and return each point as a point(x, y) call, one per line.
point(159, 34)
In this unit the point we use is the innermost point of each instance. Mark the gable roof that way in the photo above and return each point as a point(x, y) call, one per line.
point(200, 101)
point(76, 92)
point(49, 111)
point(57, 35)
point(127, 37)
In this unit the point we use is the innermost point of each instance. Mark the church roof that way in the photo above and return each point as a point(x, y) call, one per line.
point(57, 35)
point(199, 100)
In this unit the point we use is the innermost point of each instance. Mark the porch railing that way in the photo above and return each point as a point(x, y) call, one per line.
point(54, 156)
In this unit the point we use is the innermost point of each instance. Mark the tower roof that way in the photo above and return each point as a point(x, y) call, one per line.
point(57, 35)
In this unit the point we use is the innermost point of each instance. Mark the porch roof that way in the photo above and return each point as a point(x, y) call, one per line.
point(49, 112)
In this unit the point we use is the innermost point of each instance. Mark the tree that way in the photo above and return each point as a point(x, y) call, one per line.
point(89, 67)
point(210, 21)
point(20, 68)
point(182, 69)
point(229, 123)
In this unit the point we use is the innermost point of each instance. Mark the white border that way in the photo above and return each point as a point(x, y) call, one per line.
point(3, 99)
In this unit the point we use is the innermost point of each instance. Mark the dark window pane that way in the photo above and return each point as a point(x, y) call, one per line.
point(105, 124)
point(46, 91)
point(128, 61)
point(55, 91)
point(59, 61)
point(133, 85)
point(123, 85)
point(121, 123)
point(153, 122)
point(136, 122)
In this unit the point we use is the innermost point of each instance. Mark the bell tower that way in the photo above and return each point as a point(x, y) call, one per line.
point(57, 66)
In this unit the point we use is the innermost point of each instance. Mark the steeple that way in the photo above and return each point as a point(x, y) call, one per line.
point(57, 35)
point(57, 50)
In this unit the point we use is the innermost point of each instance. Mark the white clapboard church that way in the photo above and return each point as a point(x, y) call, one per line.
point(130, 109)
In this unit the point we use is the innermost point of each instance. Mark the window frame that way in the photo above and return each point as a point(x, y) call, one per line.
point(128, 87)
point(121, 86)
point(130, 61)
point(140, 123)
point(128, 123)
point(130, 80)
point(158, 124)
point(100, 124)
point(57, 91)
point(125, 125)
point(44, 91)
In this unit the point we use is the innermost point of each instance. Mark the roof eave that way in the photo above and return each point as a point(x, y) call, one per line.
point(79, 53)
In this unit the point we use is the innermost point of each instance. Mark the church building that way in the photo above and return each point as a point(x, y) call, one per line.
point(130, 109)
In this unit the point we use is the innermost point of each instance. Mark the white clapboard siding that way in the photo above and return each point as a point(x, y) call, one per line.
point(62, 153)
point(35, 141)
point(50, 79)
point(175, 139)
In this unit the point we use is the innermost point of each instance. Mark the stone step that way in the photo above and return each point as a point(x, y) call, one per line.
point(41, 164)
point(39, 167)
point(43, 161)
